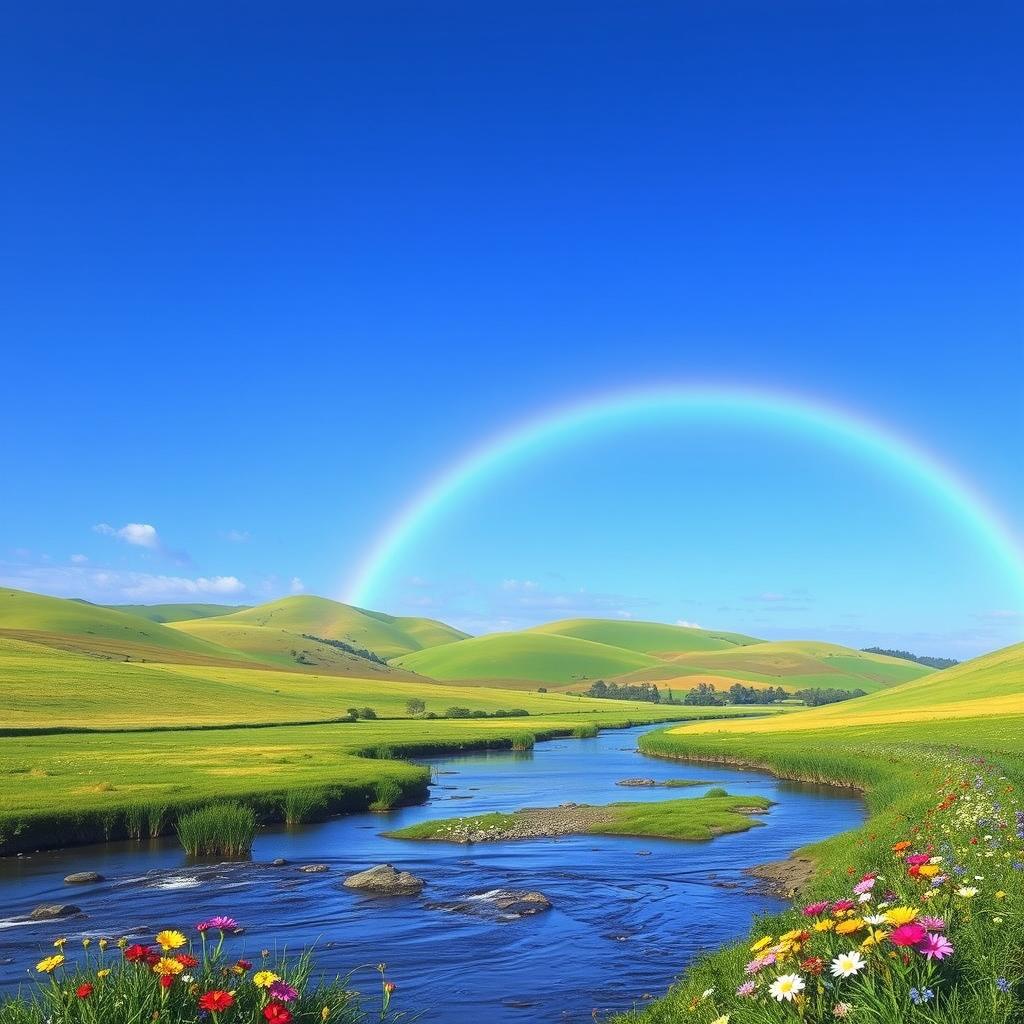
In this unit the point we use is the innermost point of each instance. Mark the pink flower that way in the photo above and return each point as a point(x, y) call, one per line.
point(840, 905)
point(283, 992)
point(935, 947)
point(223, 924)
point(814, 909)
point(865, 885)
point(933, 924)
point(918, 859)
point(907, 934)
point(746, 989)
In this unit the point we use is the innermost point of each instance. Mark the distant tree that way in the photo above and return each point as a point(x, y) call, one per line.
point(367, 713)
point(939, 663)
point(415, 706)
point(817, 696)
point(542, 689)
point(456, 712)
point(704, 695)
point(353, 713)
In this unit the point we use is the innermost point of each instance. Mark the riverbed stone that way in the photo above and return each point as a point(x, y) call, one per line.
point(636, 782)
point(278, 862)
point(385, 880)
point(522, 903)
point(314, 869)
point(82, 878)
point(53, 911)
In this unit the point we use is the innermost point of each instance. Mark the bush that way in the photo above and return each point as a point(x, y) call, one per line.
point(456, 712)
point(716, 791)
point(218, 830)
point(368, 713)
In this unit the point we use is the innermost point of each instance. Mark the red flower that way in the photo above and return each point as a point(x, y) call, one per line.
point(166, 980)
point(276, 1013)
point(389, 987)
point(187, 960)
point(136, 952)
point(84, 991)
point(216, 1000)
point(813, 965)
point(907, 934)
point(244, 965)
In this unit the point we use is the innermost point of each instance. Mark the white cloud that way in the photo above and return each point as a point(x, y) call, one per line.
point(236, 536)
point(108, 586)
point(297, 586)
point(145, 585)
point(519, 584)
point(79, 559)
point(688, 625)
point(142, 535)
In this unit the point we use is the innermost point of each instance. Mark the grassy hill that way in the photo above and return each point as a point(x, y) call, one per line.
point(646, 637)
point(533, 655)
point(176, 612)
point(386, 635)
point(103, 632)
point(792, 664)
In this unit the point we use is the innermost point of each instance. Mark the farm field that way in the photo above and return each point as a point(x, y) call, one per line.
point(918, 752)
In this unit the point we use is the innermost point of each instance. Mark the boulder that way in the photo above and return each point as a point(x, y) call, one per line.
point(52, 911)
point(636, 782)
point(314, 869)
point(278, 862)
point(385, 880)
point(82, 878)
point(523, 904)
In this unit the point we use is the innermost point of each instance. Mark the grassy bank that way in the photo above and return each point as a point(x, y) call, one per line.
point(64, 790)
point(698, 819)
point(942, 790)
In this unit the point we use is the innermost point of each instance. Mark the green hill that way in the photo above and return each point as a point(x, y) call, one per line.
point(538, 656)
point(176, 612)
point(386, 635)
point(100, 631)
point(646, 637)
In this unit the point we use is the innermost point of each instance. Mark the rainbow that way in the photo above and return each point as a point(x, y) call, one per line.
point(857, 435)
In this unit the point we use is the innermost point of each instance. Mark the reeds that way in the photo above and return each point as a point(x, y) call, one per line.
point(218, 830)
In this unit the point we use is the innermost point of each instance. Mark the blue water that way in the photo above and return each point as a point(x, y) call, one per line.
point(629, 914)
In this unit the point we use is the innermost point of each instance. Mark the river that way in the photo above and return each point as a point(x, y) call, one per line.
point(629, 914)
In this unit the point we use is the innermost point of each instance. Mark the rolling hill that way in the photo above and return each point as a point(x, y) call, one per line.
point(290, 617)
point(646, 637)
point(102, 632)
point(533, 655)
point(176, 612)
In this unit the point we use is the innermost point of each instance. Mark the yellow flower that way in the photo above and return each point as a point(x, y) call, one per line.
point(86, 943)
point(1000, 895)
point(103, 973)
point(325, 1013)
point(875, 936)
point(928, 870)
point(851, 925)
point(49, 964)
point(761, 943)
point(724, 1019)
point(103, 943)
point(264, 979)
point(826, 924)
point(167, 968)
point(171, 939)
point(901, 915)
point(791, 935)
point(59, 943)
point(122, 942)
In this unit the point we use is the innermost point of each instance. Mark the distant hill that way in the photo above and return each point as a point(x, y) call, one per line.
point(102, 632)
point(288, 621)
point(646, 637)
point(176, 612)
point(939, 663)
point(531, 654)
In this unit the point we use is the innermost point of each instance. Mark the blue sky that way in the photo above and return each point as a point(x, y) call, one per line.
point(265, 271)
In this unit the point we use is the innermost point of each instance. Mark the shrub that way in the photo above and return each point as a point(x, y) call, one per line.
point(218, 830)
point(367, 713)
point(716, 791)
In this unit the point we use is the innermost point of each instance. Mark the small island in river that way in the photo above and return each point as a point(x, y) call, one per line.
point(694, 819)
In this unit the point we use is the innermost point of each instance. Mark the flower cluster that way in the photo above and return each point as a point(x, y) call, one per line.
point(899, 933)
point(176, 980)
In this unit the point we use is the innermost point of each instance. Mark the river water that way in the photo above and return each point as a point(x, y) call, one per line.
point(629, 914)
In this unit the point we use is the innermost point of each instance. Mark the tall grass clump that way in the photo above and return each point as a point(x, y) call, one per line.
point(585, 732)
point(303, 805)
point(716, 791)
point(523, 741)
point(218, 830)
point(384, 753)
point(386, 794)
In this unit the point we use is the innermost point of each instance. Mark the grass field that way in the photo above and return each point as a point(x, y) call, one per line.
point(540, 657)
point(177, 612)
point(941, 762)
point(646, 637)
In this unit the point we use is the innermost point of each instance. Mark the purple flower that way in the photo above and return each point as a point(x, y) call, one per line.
point(223, 924)
point(935, 947)
point(747, 989)
point(1002, 984)
point(933, 924)
point(283, 992)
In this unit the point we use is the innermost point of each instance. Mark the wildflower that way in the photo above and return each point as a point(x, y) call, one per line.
point(900, 915)
point(50, 963)
point(786, 987)
point(166, 980)
point(84, 990)
point(86, 942)
point(766, 940)
point(325, 1013)
point(935, 947)
point(907, 935)
point(170, 939)
point(901, 846)
point(746, 989)
point(873, 938)
point(847, 964)
point(917, 859)
point(968, 892)
point(216, 1000)
point(796, 935)
point(842, 1010)
point(933, 924)
point(390, 986)
point(275, 1013)
point(864, 886)
point(264, 979)
point(103, 943)
point(875, 919)
point(918, 997)
point(167, 967)
point(103, 972)
point(1000, 895)
point(1003, 985)
point(243, 966)
point(59, 943)
point(724, 1019)
point(849, 926)
point(283, 992)
point(222, 924)
point(812, 965)
point(841, 906)
point(186, 960)
point(928, 870)
point(826, 924)
point(814, 909)
point(136, 952)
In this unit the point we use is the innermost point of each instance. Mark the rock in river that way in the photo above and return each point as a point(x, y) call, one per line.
point(51, 911)
point(499, 904)
point(82, 878)
point(314, 869)
point(636, 782)
point(385, 880)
